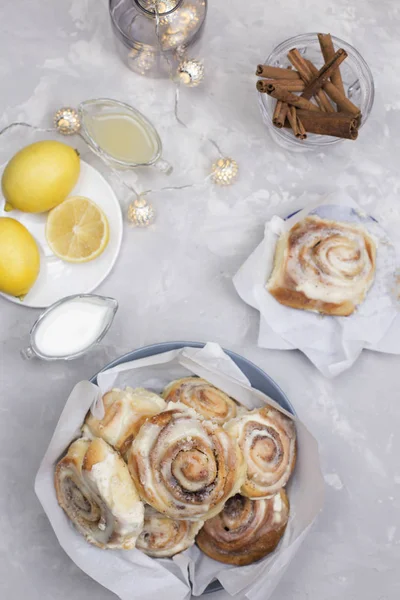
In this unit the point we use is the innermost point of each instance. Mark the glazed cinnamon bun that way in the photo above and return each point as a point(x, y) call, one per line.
point(207, 400)
point(324, 266)
point(186, 468)
point(95, 489)
point(245, 530)
point(124, 413)
point(267, 439)
point(162, 537)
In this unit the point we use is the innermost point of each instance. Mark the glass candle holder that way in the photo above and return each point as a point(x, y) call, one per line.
point(357, 80)
point(151, 44)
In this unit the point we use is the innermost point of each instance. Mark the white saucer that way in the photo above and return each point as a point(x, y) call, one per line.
point(58, 278)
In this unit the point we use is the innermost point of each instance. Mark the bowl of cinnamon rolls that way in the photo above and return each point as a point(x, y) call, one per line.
point(191, 465)
point(180, 469)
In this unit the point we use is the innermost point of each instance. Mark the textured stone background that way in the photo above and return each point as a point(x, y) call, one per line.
point(173, 281)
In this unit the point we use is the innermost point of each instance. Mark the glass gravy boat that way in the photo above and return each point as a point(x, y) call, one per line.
point(121, 135)
point(95, 330)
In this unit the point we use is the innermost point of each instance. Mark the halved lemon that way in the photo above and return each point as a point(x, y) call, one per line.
point(77, 230)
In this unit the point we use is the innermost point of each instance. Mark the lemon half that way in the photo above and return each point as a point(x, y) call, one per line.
point(77, 230)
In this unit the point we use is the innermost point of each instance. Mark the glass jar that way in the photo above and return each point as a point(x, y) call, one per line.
point(153, 45)
point(357, 80)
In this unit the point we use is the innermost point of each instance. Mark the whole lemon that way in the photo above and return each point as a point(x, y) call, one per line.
point(40, 176)
point(19, 258)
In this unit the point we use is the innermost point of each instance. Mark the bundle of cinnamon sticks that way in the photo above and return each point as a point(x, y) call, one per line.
point(311, 100)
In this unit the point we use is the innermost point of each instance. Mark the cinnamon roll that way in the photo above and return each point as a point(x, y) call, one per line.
point(186, 468)
point(267, 439)
point(95, 489)
point(323, 266)
point(125, 411)
point(207, 400)
point(162, 537)
point(245, 530)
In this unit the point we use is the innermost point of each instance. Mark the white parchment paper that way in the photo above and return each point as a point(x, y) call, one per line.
point(331, 343)
point(133, 575)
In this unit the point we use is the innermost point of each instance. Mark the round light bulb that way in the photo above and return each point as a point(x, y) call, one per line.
point(140, 212)
point(67, 121)
point(224, 171)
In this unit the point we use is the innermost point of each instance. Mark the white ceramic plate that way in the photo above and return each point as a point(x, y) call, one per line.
point(58, 278)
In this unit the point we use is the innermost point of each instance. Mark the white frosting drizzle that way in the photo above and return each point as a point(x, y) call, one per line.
point(114, 492)
point(167, 476)
point(204, 398)
point(101, 501)
point(278, 507)
point(329, 263)
point(164, 537)
point(132, 405)
point(265, 476)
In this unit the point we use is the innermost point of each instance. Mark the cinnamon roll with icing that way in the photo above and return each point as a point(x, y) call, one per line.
point(125, 412)
point(184, 467)
point(163, 537)
point(324, 266)
point(267, 439)
point(245, 530)
point(95, 489)
point(207, 400)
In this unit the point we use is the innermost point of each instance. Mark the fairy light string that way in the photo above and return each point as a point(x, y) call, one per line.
point(224, 170)
point(23, 124)
point(145, 213)
point(140, 212)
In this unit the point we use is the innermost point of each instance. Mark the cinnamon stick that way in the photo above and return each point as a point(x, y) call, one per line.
point(292, 85)
point(276, 72)
point(334, 124)
point(306, 74)
point(341, 100)
point(295, 123)
point(277, 111)
point(324, 73)
point(302, 130)
point(285, 96)
point(328, 50)
point(280, 112)
point(300, 64)
point(292, 118)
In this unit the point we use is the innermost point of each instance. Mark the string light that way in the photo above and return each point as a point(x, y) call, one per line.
point(142, 60)
point(140, 212)
point(160, 6)
point(67, 121)
point(224, 171)
point(191, 72)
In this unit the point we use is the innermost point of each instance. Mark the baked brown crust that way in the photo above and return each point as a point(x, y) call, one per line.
point(245, 530)
point(184, 467)
point(124, 413)
point(324, 266)
point(267, 439)
point(94, 488)
point(162, 537)
point(207, 400)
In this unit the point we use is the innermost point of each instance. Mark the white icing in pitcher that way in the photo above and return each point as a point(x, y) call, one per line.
point(71, 327)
